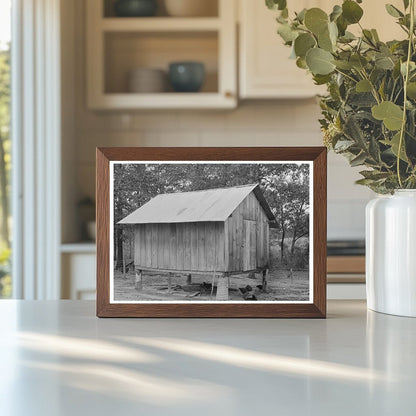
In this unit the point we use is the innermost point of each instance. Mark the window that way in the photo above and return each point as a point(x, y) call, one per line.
point(5, 147)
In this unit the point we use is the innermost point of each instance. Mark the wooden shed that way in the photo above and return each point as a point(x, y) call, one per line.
point(222, 231)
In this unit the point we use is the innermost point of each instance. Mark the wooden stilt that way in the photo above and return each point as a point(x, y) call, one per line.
point(189, 279)
point(222, 287)
point(170, 283)
point(139, 280)
point(264, 280)
point(124, 267)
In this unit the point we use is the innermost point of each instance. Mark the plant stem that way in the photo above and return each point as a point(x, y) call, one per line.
point(406, 80)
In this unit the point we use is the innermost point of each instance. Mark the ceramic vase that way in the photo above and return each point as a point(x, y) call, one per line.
point(391, 253)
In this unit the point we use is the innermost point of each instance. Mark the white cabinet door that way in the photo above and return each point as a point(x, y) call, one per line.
point(265, 68)
point(78, 276)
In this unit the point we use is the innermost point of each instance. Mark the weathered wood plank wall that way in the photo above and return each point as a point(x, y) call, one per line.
point(181, 247)
point(248, 245)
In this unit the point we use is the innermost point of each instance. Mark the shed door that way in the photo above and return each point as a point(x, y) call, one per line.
point(249, 245)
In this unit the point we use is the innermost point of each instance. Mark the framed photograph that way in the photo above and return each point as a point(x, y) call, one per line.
point(211, 232)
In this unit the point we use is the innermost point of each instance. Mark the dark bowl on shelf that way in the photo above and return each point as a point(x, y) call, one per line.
point(187, 76)
point(135, 8)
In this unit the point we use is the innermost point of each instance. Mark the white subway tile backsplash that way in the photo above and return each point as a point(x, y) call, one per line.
point(346, 219)
point(202, 120)
point(145, 120)
point(170, 138)
point(260, 123)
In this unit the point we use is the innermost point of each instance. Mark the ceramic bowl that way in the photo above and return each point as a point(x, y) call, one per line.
point(186, 76)
point(147, 80)
point(135, 8)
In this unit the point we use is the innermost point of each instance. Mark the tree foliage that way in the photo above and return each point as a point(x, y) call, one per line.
point(285, 187)
point(369, 113)
point(5, 165)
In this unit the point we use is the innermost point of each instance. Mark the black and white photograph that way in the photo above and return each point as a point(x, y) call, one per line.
point(211, 232)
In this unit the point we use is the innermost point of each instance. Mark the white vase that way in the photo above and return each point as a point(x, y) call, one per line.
point(391, 253)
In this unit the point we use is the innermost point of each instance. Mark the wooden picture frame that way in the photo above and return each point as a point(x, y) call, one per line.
point(313, 307)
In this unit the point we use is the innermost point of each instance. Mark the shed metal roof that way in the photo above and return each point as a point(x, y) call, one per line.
point(195, 206)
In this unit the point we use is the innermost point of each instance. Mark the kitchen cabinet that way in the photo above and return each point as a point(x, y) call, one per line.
point(78, 263)
point(118, 45)
point(264, 66)
point(265, 70)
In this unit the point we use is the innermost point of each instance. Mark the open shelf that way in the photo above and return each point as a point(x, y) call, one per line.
point(160, 24)
point(126, 51)
point(168, 100)
point(87, 247)
point(211, 9)
point(119, 45)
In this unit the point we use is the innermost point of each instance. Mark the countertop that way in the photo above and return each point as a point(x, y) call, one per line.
point(57, 358)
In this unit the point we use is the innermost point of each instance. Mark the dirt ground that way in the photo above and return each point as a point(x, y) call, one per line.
point(280, 287)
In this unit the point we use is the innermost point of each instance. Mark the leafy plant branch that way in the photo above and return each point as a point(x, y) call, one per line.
point(370, 106)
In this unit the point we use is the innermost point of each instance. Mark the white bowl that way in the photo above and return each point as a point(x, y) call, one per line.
point(147, 80)
point(191, 8)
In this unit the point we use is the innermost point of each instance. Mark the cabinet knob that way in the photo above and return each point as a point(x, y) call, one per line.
point(229, 94)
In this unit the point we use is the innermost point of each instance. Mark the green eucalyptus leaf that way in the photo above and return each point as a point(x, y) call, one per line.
point(344, 65)
point(321, 79)
point(351, 11)
point(382, 89)
point(374, 150)
point(320, 61)
point(343, 145)
point(361, 100)
point(316, 20)
point(336, 12)
point(394, 146)
point(342, 25)
point(375, 35)
point(363, 86)
point(347, 37)
point(354, 132)
point(411, 90)
point(368, 36)
point(374, 174)
point(393, 11)
point(333, 32)
point(281, 19)
point(384, 62)
point(276, 4)
point(358, 160)
point(365, 182)
point(301, 63)
point(358, 61)
point(301, 15)
point(412, 67)
point(303, 43)
point(287, 33)
point(325, 42)
point(388, 112)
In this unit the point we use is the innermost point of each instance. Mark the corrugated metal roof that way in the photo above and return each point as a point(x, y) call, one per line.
point(196, 206)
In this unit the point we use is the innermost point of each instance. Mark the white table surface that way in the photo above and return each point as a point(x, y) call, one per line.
point(57, 358)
